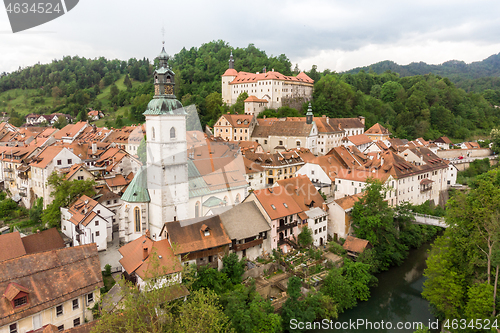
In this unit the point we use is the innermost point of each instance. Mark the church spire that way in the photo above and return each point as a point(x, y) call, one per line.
point(231, 61)
point(164, 76)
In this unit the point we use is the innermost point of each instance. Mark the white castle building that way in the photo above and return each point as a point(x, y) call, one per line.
point(272, 86)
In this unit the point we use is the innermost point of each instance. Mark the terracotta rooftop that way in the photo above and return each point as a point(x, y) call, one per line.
point(44, 241)
point(50, 278)
point(359, 139)
point(378, 129)
point(354, 244)
point(348, 201)
point(133, 257)
point(11, 246)
point(188, 235)
point(253, 98)
point(238, 120)
point(277, 202)
point(303, 192)
point(244, 77)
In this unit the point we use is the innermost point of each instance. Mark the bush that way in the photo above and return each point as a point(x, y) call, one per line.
point(336, 249)
point(107, 270)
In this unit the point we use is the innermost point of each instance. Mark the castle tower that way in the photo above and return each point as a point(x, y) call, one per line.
point(227, 78)
point(167, 170)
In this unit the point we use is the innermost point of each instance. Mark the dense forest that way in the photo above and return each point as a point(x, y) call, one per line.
point(476, 76)
point(428, 105)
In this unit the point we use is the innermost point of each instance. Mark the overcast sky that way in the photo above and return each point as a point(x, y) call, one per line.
point(338, 35)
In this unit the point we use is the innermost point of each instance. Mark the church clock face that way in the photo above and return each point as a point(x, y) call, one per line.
point(169, 90)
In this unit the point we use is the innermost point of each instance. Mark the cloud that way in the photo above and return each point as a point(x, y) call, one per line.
point(331, 34)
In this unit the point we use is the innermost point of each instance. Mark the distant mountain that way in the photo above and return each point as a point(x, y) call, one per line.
point(455, 70)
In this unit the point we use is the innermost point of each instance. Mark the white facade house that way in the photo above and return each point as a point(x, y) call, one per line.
point(86, 221)
point(317, 221)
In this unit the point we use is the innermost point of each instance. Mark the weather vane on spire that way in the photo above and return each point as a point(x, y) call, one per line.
point(163, 35)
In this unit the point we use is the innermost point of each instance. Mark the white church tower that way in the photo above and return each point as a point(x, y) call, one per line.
point(167, 169)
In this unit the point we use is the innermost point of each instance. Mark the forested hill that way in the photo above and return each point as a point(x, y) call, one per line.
point(476, 76)
point(121, 88)
point(413, 106)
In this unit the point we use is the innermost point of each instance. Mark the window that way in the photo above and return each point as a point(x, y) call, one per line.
point(75, 304)
point(60, 328)
point(59, 310)
point(108, 202)
point(172, 133)
point(90, 298)
point(59, 162)
point(97, 233)
point(312, 172)
point(13, 328)
point(265, 142)
point(80, 177)
point(76, 322)
point(137, 219)
point(96, 223)
point(70, 161)
point(281, 143)
point(153, 133)
point(115, 201)
point(20, 301)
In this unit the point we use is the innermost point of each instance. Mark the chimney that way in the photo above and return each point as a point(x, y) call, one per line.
point(324, 206)
point(381, 161)
point(148, 234)
point(144, 252)
point(264, 116)
point(94, 148)
point(38, 231)
point(362, 119)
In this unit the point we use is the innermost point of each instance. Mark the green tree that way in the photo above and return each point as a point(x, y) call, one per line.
point(495, 138)
point(233, 268)
point(63, 194)
point(373, 220)
point(305, 237)
point(444, 285)
point(36, 211)
point(239, 106)
point(249, 312)
point(114, 91)
point(338, 288)
point(202, 313)
point(390, 91)
point(359, 277)
point(127, 82)
point(60, 123)
point(479, 304)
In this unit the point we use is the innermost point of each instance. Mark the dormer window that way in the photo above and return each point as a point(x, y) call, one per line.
point(20, 301)
point(273, 207)
point(16, 294)
point(205, 229)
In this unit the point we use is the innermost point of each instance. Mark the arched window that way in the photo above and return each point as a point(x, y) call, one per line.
point(137, 219)
point(153, 134)
point(197, 209)
point(238, 198)
point(172, 133)
point(225, 201)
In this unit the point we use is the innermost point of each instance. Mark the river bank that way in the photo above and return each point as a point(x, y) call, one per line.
point(396, 299)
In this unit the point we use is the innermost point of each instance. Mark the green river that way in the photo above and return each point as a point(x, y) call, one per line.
point(396, 301)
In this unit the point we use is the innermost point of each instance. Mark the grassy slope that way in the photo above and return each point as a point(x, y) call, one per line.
point(21, 102)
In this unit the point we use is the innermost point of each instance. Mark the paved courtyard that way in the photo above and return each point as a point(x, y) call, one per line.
point(111, 255)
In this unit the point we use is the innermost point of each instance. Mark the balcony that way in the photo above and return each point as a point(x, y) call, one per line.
point(241, 247)
point(286, 226)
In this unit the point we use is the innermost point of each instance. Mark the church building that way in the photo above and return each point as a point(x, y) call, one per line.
point(174, 185)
